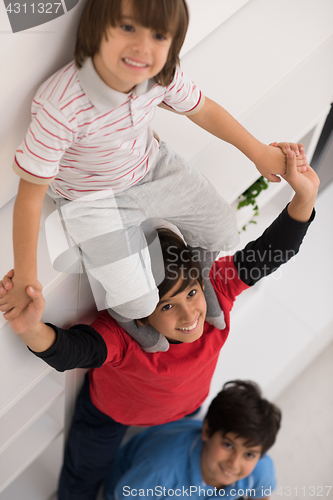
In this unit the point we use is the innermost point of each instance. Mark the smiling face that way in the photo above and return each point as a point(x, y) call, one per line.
point(130, 53)
point(226, 459)
point(181, 316)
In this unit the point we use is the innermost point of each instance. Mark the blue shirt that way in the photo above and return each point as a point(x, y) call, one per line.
point(165, 462)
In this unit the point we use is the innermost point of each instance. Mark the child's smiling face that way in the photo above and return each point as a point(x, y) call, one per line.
point(181, 317)
point(227, 459)
point(131, 53)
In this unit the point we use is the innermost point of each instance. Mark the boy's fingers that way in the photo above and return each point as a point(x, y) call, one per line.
point(294, 147)
point(273, 178)
point(291, 163)
point(4, 307)
point(34, 292)
point(287, 146)
point(36, 295)
point(298, 149)
point(282, 145)
point(7, 282)
point(12, 314)
point(301, 161)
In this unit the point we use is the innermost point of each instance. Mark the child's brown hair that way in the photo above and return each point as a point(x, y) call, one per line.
point(241, 409)
point(163, 16)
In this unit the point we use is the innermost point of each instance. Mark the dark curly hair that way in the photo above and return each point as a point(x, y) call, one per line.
point(239, 408)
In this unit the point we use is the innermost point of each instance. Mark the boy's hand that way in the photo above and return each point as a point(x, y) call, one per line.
point(272, 161)
point(28, 324)
point(27, 321)
point(6, 283)
point(305, 184)
point(15, 299)
point(297, 148)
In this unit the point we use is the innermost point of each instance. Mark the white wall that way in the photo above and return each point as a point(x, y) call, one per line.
point(268, 62)
point(27, 58)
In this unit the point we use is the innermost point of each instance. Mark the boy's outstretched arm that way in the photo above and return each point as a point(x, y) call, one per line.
point(28, 324)
point(26, 221)
point(282, 239)
point(80, 346)
point(217, 121)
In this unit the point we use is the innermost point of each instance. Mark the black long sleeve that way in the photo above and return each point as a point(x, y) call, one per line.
point(78, 347)
point(279, 243)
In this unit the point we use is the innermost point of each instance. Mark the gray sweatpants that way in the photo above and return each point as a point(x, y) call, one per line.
point(114, 245)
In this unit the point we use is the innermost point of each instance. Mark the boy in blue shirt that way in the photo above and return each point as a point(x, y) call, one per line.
point(224, 457)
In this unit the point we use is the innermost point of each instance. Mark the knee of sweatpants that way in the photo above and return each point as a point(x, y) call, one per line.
point(223, 233)
point(140, 307)
point(128, 269)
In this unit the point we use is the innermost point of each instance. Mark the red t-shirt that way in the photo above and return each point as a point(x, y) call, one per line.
point(139, 388)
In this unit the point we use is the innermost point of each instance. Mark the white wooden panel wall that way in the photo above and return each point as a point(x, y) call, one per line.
point(286, 112)
point(270, 65)
point(205, 18)
point(253, 55)
point(27, 59)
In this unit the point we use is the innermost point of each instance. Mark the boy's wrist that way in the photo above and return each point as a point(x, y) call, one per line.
point(22, 280)
point(39, 338)
point(30, 331)
point(256, 151)
point(305, 198)
point(24, 272)
point(300, 208)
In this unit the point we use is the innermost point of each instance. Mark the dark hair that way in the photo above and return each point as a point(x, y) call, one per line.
point(239, 408)
point(178, 263)
point(164, 16)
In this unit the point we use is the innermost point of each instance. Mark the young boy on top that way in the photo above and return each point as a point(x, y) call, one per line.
point(91, 147)
point(128, 386)
point(225, 457)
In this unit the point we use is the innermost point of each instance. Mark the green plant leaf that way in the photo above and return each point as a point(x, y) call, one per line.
point(249, 197)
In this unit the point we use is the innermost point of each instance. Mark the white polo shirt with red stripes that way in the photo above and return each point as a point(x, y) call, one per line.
point(86, 137)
